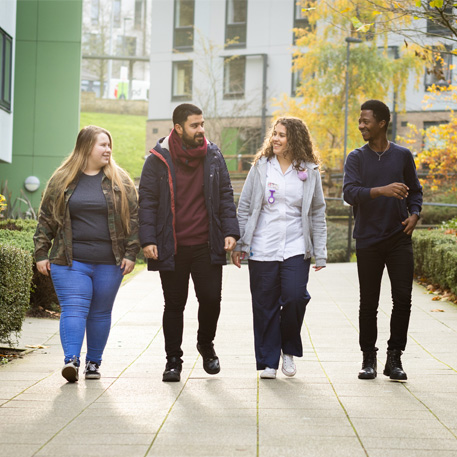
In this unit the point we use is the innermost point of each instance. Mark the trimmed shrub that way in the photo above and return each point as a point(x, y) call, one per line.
point(15, 278)
point(435, 257)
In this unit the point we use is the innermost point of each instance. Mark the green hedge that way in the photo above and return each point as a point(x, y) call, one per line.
point(435, 257)
point(15, 279)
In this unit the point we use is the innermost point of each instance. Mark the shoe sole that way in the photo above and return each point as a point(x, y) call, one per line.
point(175, 379)
point(92, 376)
point(268, 377)
point(70, 374)
point(395, 379)
point(288, 374)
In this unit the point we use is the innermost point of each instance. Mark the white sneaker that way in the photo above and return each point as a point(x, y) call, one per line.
point(288, 365)
point(268, 373)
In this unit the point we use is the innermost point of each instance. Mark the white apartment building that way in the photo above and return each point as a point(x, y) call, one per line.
point(228, 56)
point(7, 48)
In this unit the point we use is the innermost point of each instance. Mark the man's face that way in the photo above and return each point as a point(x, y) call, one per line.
point(193, 131)
point(369, 127)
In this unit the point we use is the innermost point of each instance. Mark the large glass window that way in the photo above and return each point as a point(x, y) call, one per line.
point(117, 13)
point(94, 11)
point(138, 19)
point(236, 23)
point(300, 19)
point(297, 76)
point(440, 73)
point(433, 25)
point(6, 46)
point(126, 45)
point(183, 38)
point(182, 80)
point(234, 77)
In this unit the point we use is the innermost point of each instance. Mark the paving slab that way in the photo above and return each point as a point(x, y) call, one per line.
point(323, 411)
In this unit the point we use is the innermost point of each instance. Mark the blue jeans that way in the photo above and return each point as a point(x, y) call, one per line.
point(86, 294)
point(279, 299)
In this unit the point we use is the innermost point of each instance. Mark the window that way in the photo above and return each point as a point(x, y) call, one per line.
point(234, 77)
point(432, 139)
point(183, 38)
point(434, 26)
point(182, 80)
point(6, 46)
point(116, 13)
point(94, 11)
point(138, 18)
point(300, 19)
point(235, 23)
point(297, 76)
point(126, 45)
point(440, 73)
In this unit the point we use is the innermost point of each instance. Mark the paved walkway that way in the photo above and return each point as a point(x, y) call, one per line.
point(323, 411)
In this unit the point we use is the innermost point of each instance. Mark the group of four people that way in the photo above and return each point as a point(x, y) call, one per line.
point(93, 223)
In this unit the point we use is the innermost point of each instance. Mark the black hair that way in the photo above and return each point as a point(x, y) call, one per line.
point(183, 111)
point(381, 111)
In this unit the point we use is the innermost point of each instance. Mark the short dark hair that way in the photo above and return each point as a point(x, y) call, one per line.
point(381, 111)
point(183, 111)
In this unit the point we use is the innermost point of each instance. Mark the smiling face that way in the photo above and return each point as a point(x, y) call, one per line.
point(100, 154)
point(193, 131)
point(279, 140)
point(370, 128)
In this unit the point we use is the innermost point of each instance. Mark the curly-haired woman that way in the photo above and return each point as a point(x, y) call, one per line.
point(88, 218)
point(281, 213)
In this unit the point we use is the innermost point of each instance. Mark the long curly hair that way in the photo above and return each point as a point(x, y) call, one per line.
point(75, 164)
point(300, 146)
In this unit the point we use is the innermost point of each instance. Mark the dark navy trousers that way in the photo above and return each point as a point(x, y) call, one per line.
point(279, 298)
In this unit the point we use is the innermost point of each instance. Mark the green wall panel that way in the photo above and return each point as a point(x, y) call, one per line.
point(27, 20)
point(54, 24)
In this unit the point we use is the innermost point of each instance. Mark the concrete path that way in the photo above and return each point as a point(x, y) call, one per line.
point(323, 411)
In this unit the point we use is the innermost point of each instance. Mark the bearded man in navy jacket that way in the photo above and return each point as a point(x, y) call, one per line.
point(380, 182)
point(187, 224)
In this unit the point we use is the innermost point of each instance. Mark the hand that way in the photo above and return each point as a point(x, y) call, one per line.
point(410, 224)
point(396, 190)
point(127, 266)
point(151, 252)
point(316, 268)
point(230, 243)
point(44, 267)
point(237, 257)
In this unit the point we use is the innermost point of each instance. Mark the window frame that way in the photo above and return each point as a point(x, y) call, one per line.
point(299, 23)
point(178, 29)
point(233, 95)
point(6, 71)
point(233, 25)
point(296, 74)
point(448, 54)
point(181, 97)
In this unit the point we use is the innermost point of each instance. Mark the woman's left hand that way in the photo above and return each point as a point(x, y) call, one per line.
point(127, 266)
point(317, 268)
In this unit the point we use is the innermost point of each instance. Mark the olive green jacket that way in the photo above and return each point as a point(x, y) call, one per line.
point(50, 233)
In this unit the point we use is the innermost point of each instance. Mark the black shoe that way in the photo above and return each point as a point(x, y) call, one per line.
point(210, 359)
point(92, 370)
point(369, 366)
point(173, 370)
point(394, 368)
point(70, 370)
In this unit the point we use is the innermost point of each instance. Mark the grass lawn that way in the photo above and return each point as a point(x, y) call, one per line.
point(129, 138)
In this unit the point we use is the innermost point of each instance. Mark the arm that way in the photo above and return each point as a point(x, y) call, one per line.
point(132, 243)
point(319, 227)
point(414, 199)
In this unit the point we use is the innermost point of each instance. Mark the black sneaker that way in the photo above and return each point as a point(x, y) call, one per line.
point(92, 370)
point(173, 370)
point(210, 359)
point(70, 371)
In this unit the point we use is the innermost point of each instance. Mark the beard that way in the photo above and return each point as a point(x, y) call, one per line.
point(194, 141)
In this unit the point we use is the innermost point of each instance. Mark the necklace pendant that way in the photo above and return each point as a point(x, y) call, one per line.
point(379, 158)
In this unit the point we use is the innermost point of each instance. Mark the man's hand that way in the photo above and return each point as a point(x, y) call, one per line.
point(127, 266)
point(151, 252)
point(230, 243)
point(44, 267)
point(316, 268)
point(237, 257)
point(396, 190)
point(410, 224)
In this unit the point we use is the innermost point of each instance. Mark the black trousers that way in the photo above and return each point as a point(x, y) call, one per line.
point(192, 261)
point(395, 253)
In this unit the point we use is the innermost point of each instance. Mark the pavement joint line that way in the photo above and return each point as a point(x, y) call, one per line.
point(92, 402)
point(258, 417)
point(171, 407)
point(431, 355)
point(335, 392)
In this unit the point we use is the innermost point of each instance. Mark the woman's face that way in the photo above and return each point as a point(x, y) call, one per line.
point(101, 153)
point(279, 140)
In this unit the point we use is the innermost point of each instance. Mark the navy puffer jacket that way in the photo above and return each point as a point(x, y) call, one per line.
point(157, 205)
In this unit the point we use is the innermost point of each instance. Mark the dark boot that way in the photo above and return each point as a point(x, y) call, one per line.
point(369, 366)
point(210, 359)
point(173, 370)
point(393, 367)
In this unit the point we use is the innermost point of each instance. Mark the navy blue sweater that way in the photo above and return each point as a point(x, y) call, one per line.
point(380, 218)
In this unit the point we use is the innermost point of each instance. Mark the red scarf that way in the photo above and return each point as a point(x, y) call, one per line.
point(185, 156)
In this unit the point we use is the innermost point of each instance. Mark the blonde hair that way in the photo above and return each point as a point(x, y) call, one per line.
point(299, 143)
point(76, 163)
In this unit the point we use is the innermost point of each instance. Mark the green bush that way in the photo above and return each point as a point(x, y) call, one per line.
point(435, 257)
point(15, 278)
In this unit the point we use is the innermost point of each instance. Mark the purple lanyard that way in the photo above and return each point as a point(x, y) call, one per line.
point(271, 198)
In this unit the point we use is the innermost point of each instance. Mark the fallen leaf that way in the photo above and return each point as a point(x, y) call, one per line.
point(36, 346)
point(437, 310)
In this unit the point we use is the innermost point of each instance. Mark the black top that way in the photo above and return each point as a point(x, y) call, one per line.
point(380, 218)
point(89, 222)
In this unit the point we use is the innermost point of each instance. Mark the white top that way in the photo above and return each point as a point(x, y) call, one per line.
point(279, 232)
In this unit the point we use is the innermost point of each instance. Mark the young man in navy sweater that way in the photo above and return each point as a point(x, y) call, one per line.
point(380, 182)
